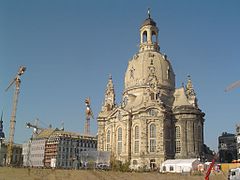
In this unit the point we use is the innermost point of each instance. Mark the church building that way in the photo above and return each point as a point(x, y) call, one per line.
point(155, 121)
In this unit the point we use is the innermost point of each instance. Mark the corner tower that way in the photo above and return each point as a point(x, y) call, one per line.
point(109, 101)
point(189, 123)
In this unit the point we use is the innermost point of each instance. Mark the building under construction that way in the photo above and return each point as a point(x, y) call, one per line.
point(16, 154)
point(16, 149)
point(57, 148)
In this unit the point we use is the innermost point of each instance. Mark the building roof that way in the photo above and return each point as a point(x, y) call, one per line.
point(180, 98)
point(149, 21)
point(180, 161)
point(44, 134)
point(60, 133)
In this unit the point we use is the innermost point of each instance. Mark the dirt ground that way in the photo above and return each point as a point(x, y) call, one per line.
point(51, 174)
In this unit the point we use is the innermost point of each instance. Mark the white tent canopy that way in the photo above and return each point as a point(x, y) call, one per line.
point(179, 165)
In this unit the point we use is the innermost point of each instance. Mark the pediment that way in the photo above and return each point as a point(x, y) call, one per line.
point(118, 112)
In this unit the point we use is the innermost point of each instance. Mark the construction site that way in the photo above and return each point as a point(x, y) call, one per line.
point(158, 115)
point(50, 147)
point(56, 148)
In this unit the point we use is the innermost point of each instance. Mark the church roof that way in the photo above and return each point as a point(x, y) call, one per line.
point(180, 98)
point(149, 21)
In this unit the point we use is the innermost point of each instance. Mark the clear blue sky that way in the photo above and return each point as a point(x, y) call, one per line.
point(70, 47)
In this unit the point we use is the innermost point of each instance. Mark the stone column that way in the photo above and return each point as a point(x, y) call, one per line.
point(129, 136)
point(149, 36)
point(183, 138)
point(190, 141)
point(101, 135)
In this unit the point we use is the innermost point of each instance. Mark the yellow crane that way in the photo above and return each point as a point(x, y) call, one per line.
point(17, 82)
point(89, 114)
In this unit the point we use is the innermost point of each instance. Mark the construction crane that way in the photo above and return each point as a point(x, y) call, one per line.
point(36, 128)
point(17, 82)
point(89, 114)
point(232, 86)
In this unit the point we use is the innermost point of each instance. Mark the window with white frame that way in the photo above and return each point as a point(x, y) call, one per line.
point(119, 140)
point(108, 140)
point(178, 139)
point(152, 138)
point(136, 139)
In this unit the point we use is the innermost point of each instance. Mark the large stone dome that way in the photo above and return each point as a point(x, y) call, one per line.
point(149, 69)
point(149, 72)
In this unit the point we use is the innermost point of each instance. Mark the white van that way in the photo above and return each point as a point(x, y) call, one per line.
point(234, 174)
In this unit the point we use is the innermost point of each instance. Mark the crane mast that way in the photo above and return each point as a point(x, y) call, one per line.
point(17, 82)
point(89, 114)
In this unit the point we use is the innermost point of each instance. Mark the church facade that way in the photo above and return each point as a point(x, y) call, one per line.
point(155, 120)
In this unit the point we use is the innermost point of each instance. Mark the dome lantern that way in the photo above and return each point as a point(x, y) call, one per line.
point(149, 35)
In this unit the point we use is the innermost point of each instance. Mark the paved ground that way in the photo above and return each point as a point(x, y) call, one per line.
point(49, 174)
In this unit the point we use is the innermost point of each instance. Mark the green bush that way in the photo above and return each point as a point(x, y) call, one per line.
point(117, 165)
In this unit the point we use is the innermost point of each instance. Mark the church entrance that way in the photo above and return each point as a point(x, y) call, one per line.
point(152, 164)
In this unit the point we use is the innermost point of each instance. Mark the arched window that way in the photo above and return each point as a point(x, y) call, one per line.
point(168, 73)
point(136, 139)
point(144, 36)
point(154, 37)
point(178, 139)
point(152, 131)
point(152, 138)
point(108, 140)
point(178, 133)
point(119, 140)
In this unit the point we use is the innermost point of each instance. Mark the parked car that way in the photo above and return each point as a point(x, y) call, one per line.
point(234, 174)
point(103, 166)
